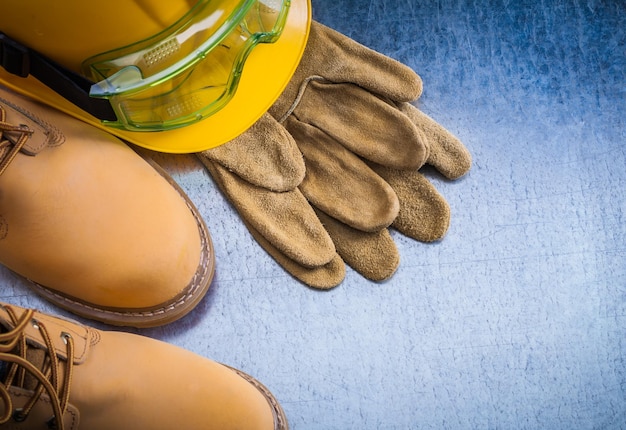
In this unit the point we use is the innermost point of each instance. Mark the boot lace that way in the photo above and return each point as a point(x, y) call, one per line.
point(13, 351)
point(9, 147)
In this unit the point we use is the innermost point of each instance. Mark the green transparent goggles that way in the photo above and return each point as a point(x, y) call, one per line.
point(190, 70)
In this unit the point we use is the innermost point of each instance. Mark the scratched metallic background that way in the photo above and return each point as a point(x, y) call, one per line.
point(517, 319)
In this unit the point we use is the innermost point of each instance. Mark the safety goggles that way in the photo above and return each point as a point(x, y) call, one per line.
point(190, 70)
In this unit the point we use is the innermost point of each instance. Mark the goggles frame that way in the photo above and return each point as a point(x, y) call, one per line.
point(184, 88)
point(111, 107)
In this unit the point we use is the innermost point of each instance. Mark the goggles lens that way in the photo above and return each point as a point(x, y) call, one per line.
point(190, 70)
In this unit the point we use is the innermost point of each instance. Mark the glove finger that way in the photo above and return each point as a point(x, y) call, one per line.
point(340, 183)
point(374, 255)
point(285, 219)
point(424, 214)
point(363, 123)
point(322, 277)
point(339, 58)
point(265, 155)
point(447, 153)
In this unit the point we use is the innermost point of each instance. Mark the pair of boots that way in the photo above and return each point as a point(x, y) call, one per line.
point(107, 235)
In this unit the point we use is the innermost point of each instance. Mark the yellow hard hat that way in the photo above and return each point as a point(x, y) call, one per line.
point(179, 76)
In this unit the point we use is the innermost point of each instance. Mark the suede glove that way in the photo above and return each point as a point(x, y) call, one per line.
point(319, 179)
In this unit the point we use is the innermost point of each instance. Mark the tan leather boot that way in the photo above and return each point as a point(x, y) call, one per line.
point(95, 228)
point(81, 378)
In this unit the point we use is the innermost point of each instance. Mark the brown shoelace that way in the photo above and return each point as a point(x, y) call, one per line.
point(12, 139)
point(13, 351)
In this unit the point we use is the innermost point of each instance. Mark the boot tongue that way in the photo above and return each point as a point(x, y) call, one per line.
point(37, 358)
point(34, 355)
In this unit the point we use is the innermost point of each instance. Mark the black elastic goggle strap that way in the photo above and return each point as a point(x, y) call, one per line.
point(22, 61)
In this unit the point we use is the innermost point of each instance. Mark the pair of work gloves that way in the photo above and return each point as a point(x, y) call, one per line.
point(334, 163)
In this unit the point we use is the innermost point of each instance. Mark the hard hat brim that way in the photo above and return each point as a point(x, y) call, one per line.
point(266, 73)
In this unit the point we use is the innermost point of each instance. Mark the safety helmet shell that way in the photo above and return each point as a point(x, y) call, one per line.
point(64, 32)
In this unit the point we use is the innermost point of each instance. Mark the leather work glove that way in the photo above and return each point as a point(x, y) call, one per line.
point(320, 178)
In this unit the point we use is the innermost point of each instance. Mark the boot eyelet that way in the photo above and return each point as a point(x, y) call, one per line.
point(34, 323)
point(24, 128)
point(52, 423)
point(65, 336)
point(19, 415)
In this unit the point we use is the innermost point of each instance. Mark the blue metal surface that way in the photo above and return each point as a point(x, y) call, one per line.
point(517, 318)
